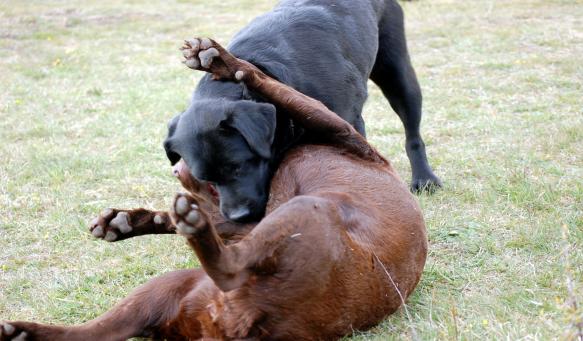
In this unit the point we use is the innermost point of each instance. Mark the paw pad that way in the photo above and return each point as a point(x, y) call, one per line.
point(110, 236)
point(121, 222)
point(110, 224)
point(187, 215)
point(181, 206)
point(159, 220)
point(6, 329)
point(192, 216)
point(199, 53)
point(98, 231)
point(206, 57)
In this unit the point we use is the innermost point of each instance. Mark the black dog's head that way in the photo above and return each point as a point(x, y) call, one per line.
point(228, 143)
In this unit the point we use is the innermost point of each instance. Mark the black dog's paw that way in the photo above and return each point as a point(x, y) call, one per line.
point(11, 332)
point(187, 216)
point(428, 183)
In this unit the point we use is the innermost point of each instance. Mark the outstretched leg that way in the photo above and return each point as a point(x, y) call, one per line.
point(114, 225)
point(147, 312)
point(394, 74)
point(207, 55)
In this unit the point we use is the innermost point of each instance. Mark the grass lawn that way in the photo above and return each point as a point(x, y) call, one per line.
point(88, 86)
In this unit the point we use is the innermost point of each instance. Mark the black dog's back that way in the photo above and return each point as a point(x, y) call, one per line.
point(325, 49)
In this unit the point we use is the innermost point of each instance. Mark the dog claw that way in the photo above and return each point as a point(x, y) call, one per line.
point(239, 75)
point(206, 57)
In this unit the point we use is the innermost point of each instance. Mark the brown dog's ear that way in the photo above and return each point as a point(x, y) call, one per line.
point(256, 122)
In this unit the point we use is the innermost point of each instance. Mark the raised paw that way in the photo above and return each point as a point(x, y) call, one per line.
point(207, 55)
point(11, 332)
point(187, 215)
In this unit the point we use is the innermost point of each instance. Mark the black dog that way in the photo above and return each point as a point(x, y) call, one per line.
point(230, 137)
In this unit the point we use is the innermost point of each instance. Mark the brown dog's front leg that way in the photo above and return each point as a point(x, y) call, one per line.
point(193, 223)
point(207, 55)
point(114, 225)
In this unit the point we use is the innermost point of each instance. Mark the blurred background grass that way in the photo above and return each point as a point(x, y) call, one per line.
point(88, 86)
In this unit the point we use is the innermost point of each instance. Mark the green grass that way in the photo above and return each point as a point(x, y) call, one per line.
point(88, 86)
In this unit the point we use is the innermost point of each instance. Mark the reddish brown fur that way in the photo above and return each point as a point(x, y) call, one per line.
point(309, 270)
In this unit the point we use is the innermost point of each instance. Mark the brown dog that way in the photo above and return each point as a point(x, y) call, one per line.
point(342, 246)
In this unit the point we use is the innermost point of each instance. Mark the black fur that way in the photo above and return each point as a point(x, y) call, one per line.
point(325, 49)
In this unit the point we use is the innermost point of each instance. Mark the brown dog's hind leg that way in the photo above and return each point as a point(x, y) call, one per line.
point(114, 225)
point(147, 312)
point(230, 266)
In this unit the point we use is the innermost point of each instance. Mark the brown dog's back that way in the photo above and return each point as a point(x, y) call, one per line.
point(351, 231)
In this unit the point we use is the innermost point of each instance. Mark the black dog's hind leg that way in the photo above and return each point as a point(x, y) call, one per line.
point(395, 76)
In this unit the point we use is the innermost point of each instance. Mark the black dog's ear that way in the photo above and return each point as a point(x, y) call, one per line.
point(256, 122)
point(172, 156)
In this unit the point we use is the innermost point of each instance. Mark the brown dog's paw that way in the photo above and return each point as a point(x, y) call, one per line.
point(199, 53)
point(207, 55)
point(187, 215)
point(110, 224)
point(10, 332)
point(113, 225)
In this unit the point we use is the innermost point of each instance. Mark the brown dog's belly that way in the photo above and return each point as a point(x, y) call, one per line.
point(357, 233)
